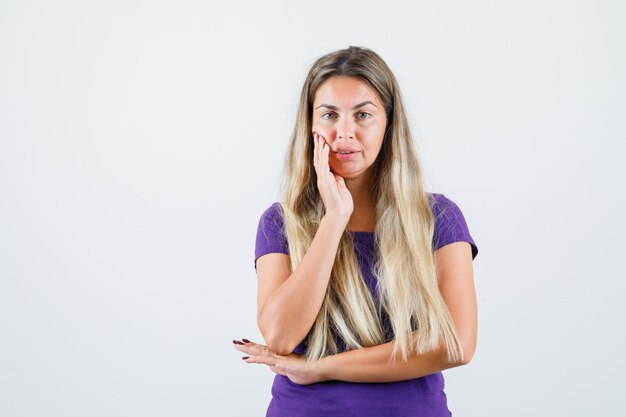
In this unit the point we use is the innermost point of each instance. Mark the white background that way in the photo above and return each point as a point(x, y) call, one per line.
point(140, 142)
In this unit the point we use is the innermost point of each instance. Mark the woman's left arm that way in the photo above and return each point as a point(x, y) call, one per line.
point(374, 364)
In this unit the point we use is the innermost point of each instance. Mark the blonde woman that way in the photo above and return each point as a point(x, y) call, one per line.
point(365, 280)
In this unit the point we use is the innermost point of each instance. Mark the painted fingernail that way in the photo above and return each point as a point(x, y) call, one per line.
point(238, 342)
point(245, 357)
point(246, 340)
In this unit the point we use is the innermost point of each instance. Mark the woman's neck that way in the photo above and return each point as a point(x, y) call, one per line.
point(364, 214)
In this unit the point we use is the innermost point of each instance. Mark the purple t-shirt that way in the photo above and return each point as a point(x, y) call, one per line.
point(422, 396)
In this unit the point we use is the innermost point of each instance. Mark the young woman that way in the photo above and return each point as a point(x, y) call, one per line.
point(357, 263)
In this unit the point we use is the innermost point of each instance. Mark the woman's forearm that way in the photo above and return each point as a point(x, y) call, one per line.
point(374, 364)
point(290, 311)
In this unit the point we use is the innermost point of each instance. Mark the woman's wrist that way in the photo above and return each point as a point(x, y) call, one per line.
point(324, 370)
point(336, 222)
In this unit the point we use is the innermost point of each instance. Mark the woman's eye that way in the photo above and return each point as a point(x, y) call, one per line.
point(363, 115)
point(324, 116)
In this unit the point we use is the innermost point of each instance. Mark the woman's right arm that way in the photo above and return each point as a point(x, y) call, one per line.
point(288, 303)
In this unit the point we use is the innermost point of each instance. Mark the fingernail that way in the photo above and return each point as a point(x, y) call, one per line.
point(246, 340)
point(245, 357)
point(237, 342)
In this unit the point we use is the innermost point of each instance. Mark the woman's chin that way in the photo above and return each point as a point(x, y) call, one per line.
point(350, 174)
point(347, 174)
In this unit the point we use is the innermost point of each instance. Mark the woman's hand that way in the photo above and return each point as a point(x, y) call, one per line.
point(335, 195)
point(293, 366)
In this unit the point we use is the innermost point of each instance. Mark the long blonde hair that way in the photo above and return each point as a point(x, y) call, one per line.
point(405, 268)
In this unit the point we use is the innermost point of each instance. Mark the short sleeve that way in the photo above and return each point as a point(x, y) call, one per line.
point(450, 224)
point(270, 235)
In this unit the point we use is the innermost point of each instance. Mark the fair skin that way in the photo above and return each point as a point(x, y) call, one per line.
point(347, 113)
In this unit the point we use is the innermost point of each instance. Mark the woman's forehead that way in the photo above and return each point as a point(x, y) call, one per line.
point(345, 92)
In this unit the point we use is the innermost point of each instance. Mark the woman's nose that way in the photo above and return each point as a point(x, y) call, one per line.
point(345, 129)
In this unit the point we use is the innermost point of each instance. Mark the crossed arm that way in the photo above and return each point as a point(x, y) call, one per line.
point(374, 364)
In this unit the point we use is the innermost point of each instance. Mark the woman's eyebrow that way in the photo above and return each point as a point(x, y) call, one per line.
point(353, 108)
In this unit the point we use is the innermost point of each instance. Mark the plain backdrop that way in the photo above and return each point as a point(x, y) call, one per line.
point(140, 141)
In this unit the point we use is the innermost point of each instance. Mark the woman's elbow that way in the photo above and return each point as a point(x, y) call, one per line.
point(463, 354)
point(279, 345)
point(467, 358)
point(469, 348)
point(275, 340)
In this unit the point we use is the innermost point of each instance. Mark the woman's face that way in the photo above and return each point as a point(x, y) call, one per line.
point(349, 115)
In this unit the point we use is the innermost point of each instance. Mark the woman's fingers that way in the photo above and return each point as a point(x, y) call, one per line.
point(299, 371)
point(257, 353)
point(315, 151)
point(325, 151)
point(319, 145)
point(322, 168)
point(332, 189)
point(249, 348)
point(316, 154)
point(262, 359)
point(323, 147)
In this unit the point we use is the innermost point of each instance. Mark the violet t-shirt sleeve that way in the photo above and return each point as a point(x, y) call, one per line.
point(450, 224)
point(270, 235)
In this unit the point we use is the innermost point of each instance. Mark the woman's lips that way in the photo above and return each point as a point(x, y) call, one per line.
point(345, 156)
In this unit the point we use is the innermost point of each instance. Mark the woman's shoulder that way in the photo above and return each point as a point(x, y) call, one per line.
point(450, 223)
point(273, 212)
point(271, 220)
point(270, 235)
point(440, 203)
point(436, 198)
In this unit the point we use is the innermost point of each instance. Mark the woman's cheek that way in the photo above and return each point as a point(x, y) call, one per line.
point(324, 130)
point(328, 134)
